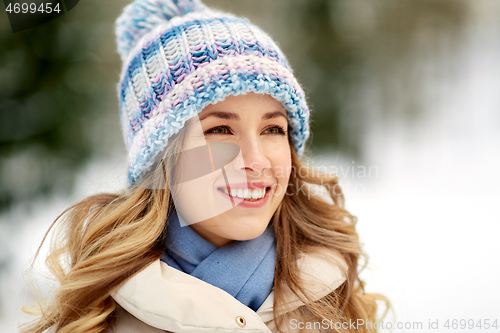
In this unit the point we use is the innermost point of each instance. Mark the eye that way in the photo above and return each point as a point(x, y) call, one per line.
point(221, 130)
point(275, 130)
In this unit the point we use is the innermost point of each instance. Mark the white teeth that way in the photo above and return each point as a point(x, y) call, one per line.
point(246, 193)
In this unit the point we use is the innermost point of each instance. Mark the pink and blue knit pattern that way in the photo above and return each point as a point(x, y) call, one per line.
point(179, 57)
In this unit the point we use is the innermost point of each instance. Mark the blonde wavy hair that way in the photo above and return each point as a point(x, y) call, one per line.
point(101, 241)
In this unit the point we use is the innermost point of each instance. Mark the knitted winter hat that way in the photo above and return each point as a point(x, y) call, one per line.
point(180, 56)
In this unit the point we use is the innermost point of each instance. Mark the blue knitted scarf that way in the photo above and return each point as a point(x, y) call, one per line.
point(244, 269)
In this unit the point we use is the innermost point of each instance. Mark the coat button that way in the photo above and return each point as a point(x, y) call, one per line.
point(241, 321)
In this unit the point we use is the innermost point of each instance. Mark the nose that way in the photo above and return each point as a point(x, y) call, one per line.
point(255, 156)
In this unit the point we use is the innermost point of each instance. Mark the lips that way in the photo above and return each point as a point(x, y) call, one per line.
point(250, 194)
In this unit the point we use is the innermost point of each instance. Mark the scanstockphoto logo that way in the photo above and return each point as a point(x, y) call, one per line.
point(26, 14)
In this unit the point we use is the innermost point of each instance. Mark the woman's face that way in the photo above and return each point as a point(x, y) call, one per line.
point(238, 201)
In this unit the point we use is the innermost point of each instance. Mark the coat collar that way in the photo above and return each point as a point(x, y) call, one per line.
point(171, 300)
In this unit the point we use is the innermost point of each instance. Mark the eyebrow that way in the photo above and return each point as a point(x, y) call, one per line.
point(233, 116)
point(271, 115)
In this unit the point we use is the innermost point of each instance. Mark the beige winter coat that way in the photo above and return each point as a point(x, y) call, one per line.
point(162, 299)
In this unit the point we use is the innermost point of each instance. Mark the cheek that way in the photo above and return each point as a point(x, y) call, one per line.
point(282, 165)
point(197, 200)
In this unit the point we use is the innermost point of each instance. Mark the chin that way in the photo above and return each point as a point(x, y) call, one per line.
point(246, 230)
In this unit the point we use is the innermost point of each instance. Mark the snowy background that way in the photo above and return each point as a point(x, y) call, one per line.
point(427, 210)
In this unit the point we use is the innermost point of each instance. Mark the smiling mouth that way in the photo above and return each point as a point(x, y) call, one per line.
point(245, 193)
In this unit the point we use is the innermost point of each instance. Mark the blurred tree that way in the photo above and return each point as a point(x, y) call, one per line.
point(324, 62)
point(39, 113)
point(56, 80)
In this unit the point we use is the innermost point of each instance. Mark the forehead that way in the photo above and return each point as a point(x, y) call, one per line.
point(248, 104)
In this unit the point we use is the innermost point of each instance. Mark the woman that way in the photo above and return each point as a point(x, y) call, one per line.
point(222, 228)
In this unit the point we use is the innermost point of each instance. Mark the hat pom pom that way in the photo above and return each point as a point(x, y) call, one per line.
point(142, 16)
